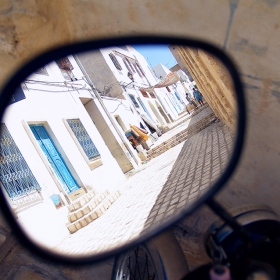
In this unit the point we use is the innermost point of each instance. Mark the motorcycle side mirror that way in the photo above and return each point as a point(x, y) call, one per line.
point(106, 143)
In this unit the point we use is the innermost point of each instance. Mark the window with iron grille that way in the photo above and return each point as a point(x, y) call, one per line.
point(83, 138)
point(15, 175)
point(134, 100)
point(115, 61)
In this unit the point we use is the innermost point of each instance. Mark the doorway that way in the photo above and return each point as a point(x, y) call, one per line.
point(120, 122)
point(162, 112)
point(161, 121)
point(54, 158)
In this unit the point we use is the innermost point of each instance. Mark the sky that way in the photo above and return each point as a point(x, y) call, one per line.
point(157, 54)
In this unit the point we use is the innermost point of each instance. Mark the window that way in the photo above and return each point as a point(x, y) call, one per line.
point(66, 68)
point(152, 94)
point(168, 89)
point(15, 175)
point(140, 68)
point(83, 138)
point(138, 71)
point(127, 66)
point(68, 75)
point(42, 71)
point(134, 100)
point(177, 96)
point(64, 63)
point(144, 108)
point(115, 61)
point(144, 93)
point(130, 64)
point(18, 95)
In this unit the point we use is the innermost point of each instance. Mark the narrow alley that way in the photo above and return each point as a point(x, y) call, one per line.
point(162, 187)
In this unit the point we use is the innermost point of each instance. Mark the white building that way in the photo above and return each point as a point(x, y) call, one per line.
point(162, 100)
point(176, 91)
point(184, 78)
point(56, 161)
point(122, 74)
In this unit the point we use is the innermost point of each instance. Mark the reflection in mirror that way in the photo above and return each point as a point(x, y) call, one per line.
point(99, 147)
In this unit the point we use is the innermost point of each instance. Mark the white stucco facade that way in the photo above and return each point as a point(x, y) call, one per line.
point(176, 92)
point(185, 81)
point(154, 103)
point(39, 124)
point(50, 102)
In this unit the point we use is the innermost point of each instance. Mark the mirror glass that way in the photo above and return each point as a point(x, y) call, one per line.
point(100, 147)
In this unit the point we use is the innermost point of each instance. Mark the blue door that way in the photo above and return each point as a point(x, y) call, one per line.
point(58, 165)
point(144, 108)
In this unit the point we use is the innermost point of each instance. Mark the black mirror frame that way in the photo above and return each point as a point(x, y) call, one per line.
point(56, 53)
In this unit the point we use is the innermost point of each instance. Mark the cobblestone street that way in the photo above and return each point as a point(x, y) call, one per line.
point(161, 188)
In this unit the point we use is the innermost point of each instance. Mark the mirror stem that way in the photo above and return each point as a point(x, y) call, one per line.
point(218, 209)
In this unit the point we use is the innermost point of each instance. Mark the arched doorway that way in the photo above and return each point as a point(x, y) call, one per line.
point(161, 121)
point(162, 112)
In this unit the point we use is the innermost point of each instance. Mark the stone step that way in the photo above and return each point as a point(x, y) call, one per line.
point(88, 207)
point(80, 202)
point(180, 137)
point(191, 130)
point(94, 214)
point(184, 119)
point(194, 127)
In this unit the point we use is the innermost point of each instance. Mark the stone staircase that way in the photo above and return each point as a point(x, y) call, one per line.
point(88, 208)
point(182, 136)
point(186, 117)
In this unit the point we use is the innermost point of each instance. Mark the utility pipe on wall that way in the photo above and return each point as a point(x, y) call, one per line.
point(128, 147)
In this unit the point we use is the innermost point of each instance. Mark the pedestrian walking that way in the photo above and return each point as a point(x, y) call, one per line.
point(190, 100)
point(198, 96)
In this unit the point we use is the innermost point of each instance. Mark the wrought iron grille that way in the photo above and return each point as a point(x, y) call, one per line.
point(15, 175)
point(83, 138)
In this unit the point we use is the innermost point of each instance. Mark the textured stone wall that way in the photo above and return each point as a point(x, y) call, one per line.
point(247, 30)
point(213, 81)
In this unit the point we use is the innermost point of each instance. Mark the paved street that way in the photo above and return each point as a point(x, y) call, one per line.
point(162, 187)
point(183, 122)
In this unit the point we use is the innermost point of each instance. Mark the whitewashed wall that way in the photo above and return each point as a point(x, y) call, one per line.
point(50, 105)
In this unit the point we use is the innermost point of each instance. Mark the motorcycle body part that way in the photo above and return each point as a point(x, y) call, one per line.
point(159, 258)
point(259, 252)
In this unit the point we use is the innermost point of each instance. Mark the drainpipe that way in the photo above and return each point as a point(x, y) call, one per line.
point(128, 147)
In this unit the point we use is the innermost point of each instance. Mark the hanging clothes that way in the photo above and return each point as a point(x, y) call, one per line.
point(142, 126)
point(149, 122)
point(143, 130)
point(142, 135)
point(150, 128)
